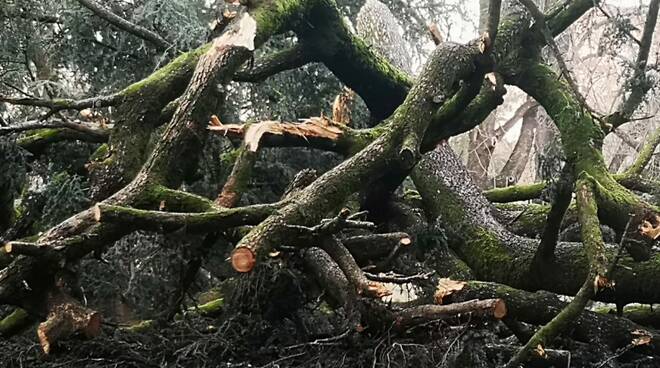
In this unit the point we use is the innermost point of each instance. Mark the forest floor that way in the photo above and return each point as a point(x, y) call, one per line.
point(246, 341)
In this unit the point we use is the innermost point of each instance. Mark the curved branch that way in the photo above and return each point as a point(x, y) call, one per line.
point(125, 25)
point(645, 155)
point(566, 13)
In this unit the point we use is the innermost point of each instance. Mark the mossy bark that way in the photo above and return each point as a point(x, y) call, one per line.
point(495, 254)
point(540, 307)
point(449, 64)
point(15, 322)
point(142, 103)
point(582, 140)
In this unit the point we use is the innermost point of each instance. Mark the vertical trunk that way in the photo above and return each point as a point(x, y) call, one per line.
point(480, 150)
point(515, 166)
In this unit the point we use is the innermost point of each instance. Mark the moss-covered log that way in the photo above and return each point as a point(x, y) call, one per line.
point(540, 307)
point(495, 254)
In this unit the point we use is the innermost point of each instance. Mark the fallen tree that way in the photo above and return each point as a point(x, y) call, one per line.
point(138, 186)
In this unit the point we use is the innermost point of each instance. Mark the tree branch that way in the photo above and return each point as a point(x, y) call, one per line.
point(638, 82)
point(59, 104)
point(645, 155)
point(291, 58)
point(550, 41)
point(123, 24)
point(193, 222)
point(593, 243)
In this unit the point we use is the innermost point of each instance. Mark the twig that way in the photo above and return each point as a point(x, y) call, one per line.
point(399, 279)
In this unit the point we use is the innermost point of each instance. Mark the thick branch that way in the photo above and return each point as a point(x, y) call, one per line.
point(36, 141)
point(374, 246)
point(493, 308)
point(497, 255)
point(563, 194)
point(354, 274)
point(566, 13)
point(541, 307)
point(550, 41)
point(239, 178)
point(193, 222)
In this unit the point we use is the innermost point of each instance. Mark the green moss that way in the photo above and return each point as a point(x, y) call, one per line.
point(515, 193)
point(228, 158)
point(174, 200)
point(100, 153)
point(210, 308)
point(39, 135)
point(379, 63)
point(141, 326)
point(272, 17)
point(161, 78)
point(487, 252)
point(14, 322)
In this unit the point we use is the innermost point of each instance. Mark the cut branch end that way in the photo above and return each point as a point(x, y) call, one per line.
point(243, 260)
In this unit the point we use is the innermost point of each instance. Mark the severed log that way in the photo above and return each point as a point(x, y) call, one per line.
point(493, 308)
point(66, 316)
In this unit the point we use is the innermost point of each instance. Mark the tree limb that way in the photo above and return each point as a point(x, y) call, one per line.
point(291, 58)
point(593, 243)
point(123, 24)
point(194, 222)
